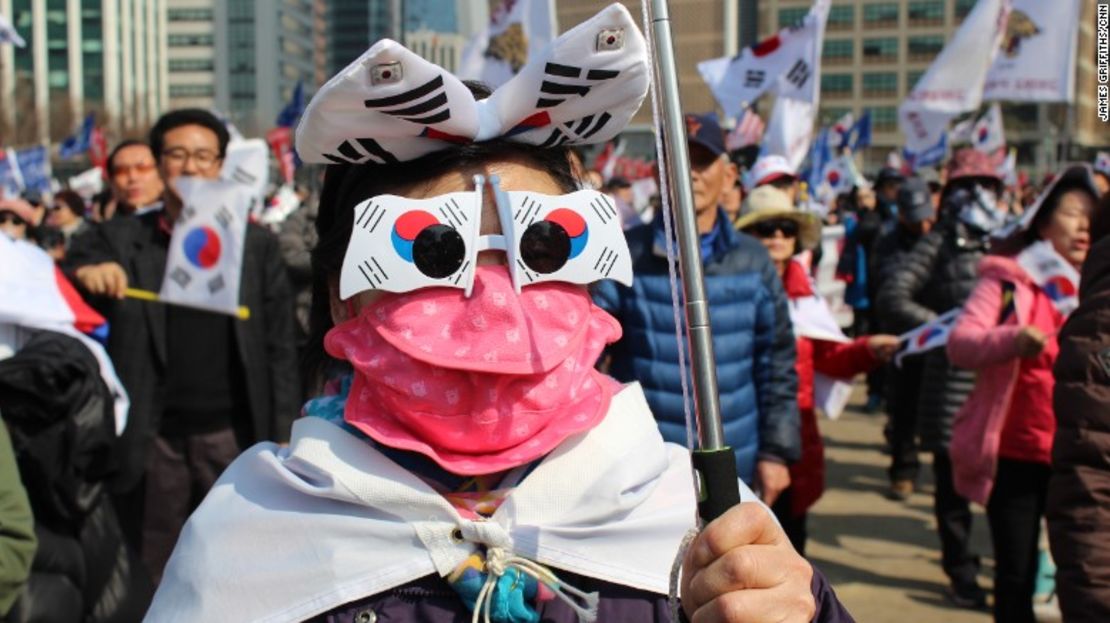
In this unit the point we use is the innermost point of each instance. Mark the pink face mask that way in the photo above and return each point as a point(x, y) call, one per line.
point(479, 384)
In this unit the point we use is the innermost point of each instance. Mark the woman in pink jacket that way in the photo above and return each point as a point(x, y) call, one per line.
point(1002, 437)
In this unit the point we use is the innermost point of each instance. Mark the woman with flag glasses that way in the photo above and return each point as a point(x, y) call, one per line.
point(1001, 448)
point(465, 450)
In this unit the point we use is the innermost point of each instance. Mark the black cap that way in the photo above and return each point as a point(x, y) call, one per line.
point(706, 131)
point(889, 174)
point(915, 200)
point(618, 182)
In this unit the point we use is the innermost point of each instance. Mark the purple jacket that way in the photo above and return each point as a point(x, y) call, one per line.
point(431, 600)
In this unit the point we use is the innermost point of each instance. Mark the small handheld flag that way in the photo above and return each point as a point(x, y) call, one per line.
point(932, 334)
point(206, 249)
point(1054, 275)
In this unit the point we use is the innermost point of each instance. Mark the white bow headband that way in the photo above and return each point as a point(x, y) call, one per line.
point(390, 105)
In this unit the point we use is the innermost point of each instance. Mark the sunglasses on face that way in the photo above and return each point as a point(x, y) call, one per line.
point(9, 217)
point(400, 244)
point(767, 229)
point(122, 171)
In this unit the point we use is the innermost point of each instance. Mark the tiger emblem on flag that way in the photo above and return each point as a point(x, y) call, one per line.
point(511, 46)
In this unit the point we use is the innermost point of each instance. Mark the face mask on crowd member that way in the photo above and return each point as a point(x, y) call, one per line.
point(133, 175)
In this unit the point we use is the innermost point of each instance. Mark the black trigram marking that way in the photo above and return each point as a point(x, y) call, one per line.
point(603, 209)
point(753, 78)
point(575, 132)
point(181, 277)
point(223, 217)
point(452, 213)
point(370, 217)
point(462, 271)
point(373, 272)
point(799, 74)
point(557, 89)
point(361, 151)
point(216, 284)
point(243, 177)
point(606, 260)
point(411, 105)
point(524, 269)
point(188, 213)
point(527, 212)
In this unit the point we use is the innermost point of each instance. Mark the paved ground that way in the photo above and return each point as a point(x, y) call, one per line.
point(882, 556)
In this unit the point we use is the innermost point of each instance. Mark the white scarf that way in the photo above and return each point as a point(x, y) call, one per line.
point(289, 533)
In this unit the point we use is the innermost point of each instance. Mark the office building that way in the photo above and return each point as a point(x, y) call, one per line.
point(263, 48)
point(874, 52)
point(101, 56)
point(191, 53)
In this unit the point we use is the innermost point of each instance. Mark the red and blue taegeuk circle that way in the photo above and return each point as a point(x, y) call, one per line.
point(575, 226)
point(407, 227)
point(833, 178)
point(1059, 288)
point(202, 247)
point(928, 335)
point(983, 134)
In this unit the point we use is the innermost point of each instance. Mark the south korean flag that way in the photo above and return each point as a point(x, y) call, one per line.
point(400, 244)
point(575, 238)
point(206, 249)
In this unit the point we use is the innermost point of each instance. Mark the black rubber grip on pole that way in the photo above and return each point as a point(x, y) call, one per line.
point(720, 490)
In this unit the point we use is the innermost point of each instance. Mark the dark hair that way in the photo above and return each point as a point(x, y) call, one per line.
point(131, 142)
point(346, 185)
point(1100, 220)
point(47, 236)
point(1013, 244)
point(187, 116)
point(71, 201)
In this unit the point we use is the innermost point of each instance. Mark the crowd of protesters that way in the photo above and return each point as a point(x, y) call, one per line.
point(1012, 411)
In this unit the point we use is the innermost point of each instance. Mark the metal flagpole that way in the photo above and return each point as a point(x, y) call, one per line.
point(713, 461)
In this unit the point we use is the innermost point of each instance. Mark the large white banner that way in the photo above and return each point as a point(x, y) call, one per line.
point(954, 82)
point(1036, 62)
point(248, 163)
point(790, 130)
point(518, 32)
point(206, 250)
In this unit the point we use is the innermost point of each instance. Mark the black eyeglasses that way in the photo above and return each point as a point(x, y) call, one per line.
point(767, 229)
point(10, 217)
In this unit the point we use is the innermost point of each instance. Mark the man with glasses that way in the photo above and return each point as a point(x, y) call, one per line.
point(202, 385)
point(752, 335)
point(135, 182)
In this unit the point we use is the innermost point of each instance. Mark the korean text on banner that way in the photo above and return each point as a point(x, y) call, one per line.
point(954, 82)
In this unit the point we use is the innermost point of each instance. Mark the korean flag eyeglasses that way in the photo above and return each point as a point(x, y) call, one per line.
point(400, 244)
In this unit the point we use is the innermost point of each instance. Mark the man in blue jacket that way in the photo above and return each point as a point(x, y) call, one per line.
point(752, 334)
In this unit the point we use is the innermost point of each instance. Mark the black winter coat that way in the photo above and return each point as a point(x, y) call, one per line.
point(937, 275)
point(62, 423)
point(137, 343)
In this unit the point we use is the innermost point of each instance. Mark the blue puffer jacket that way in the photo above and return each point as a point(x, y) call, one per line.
point(752, 337)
